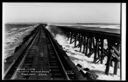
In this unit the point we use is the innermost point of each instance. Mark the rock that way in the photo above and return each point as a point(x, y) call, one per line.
point(91, 76)
point(87, 73)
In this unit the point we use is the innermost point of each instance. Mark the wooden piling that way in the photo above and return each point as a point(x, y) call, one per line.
point(84, 41)
point(115, 67)
point(70, 37)
point(95, 50)
point(98, 45)
point(80, 43)
point(102, 42)
point(86, 51)
point(109, 56)
point(90, 46)
point(75, 39)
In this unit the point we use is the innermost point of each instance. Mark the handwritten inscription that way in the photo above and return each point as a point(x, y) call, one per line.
point(32, 71)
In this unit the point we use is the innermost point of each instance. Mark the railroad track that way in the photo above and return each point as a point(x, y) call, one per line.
point(19, 56)
point(39, 59)
point(57, 69)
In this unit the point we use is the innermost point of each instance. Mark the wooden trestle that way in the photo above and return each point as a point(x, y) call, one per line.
point(98, 41)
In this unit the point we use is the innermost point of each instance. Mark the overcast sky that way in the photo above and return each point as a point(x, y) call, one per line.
point(62, 12)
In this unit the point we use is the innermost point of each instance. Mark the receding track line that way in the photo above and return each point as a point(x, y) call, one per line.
point(20, 53)
point(39, 59)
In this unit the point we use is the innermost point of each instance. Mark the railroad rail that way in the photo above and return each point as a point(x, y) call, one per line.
point(39, 57)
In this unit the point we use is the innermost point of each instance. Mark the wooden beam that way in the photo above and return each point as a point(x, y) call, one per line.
point(115, 55)
point(116, 51)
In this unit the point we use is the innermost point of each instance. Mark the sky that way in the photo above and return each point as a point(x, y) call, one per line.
point(62, 12)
